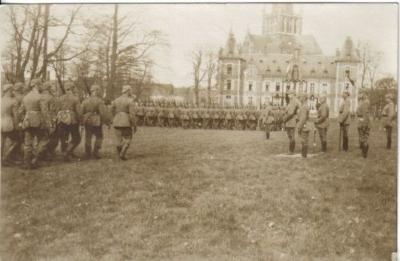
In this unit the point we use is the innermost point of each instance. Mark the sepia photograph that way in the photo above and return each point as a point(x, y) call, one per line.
point(199, 131)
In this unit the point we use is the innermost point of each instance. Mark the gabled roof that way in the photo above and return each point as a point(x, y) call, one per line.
point(281, 43)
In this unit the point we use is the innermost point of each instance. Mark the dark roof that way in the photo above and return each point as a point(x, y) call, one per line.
point(281, 43)
point(277, 65)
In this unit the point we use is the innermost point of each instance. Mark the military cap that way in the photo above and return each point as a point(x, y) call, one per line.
point(94, 88)
point(36, 81)
point(126, 88)
point(389, 96)
point(19, 86)
point(7, 87)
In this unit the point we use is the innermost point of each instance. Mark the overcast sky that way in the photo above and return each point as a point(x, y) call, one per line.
point(188, 26)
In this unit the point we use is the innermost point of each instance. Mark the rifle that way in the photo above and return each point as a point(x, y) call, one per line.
point(340, 137)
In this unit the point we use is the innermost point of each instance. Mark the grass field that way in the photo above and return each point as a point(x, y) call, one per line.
point(205, 195)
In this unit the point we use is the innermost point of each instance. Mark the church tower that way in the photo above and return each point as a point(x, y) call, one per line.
point(281, 20)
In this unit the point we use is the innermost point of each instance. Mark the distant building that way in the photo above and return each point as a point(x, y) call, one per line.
point(264, 67)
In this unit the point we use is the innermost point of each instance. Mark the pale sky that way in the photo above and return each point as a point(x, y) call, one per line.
point(188, 26)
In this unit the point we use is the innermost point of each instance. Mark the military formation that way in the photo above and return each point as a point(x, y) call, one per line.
point(172, 115)
point(35, 121)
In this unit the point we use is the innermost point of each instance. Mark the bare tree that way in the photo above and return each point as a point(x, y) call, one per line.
point(30, 29)
point(370, 61)
point(198, 72)
point(211, 69)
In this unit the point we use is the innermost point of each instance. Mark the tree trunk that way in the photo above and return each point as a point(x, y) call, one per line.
point(43, 70)
point(35, 30)
point(114, 56)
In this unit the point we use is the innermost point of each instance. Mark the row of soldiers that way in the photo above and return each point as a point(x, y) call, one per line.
point(40, 121)
point(297, 116)
point(187, 116)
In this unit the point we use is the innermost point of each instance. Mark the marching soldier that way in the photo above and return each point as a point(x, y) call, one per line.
point(322, 122)
point(9, 123)
point(267, 120)
point(124, 121)
point(389, 116)
point(344, 120)
point(68, 116)
point(93, 117)
point(303, 125)
point(34, 124)
point(289, 119)
point(363, 122)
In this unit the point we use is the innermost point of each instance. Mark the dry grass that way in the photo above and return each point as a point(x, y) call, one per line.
point(205, 195)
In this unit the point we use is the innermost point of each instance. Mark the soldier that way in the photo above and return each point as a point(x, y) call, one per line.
point(68, 115)
point(252, 120)
point(140, 115)
point(9, 123)
point(124, 122)
point(206, 119)
point(93, 117)
point(51, 104)
point(389, 116)
point(322, 122)
point(267, 120)
point(289, 119)
point(35, 125)
point(170, 117)
point(344, 120)
point(303, 125)
point(363, 122)
point(161, 116)
point(229, 119)
point(185, 118)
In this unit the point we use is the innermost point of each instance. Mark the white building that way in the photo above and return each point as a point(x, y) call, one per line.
point(264, 67)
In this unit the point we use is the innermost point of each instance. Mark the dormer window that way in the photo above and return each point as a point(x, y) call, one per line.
point(278, 70)
point(312, 71)
point(325, 71)
point(261, 61)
